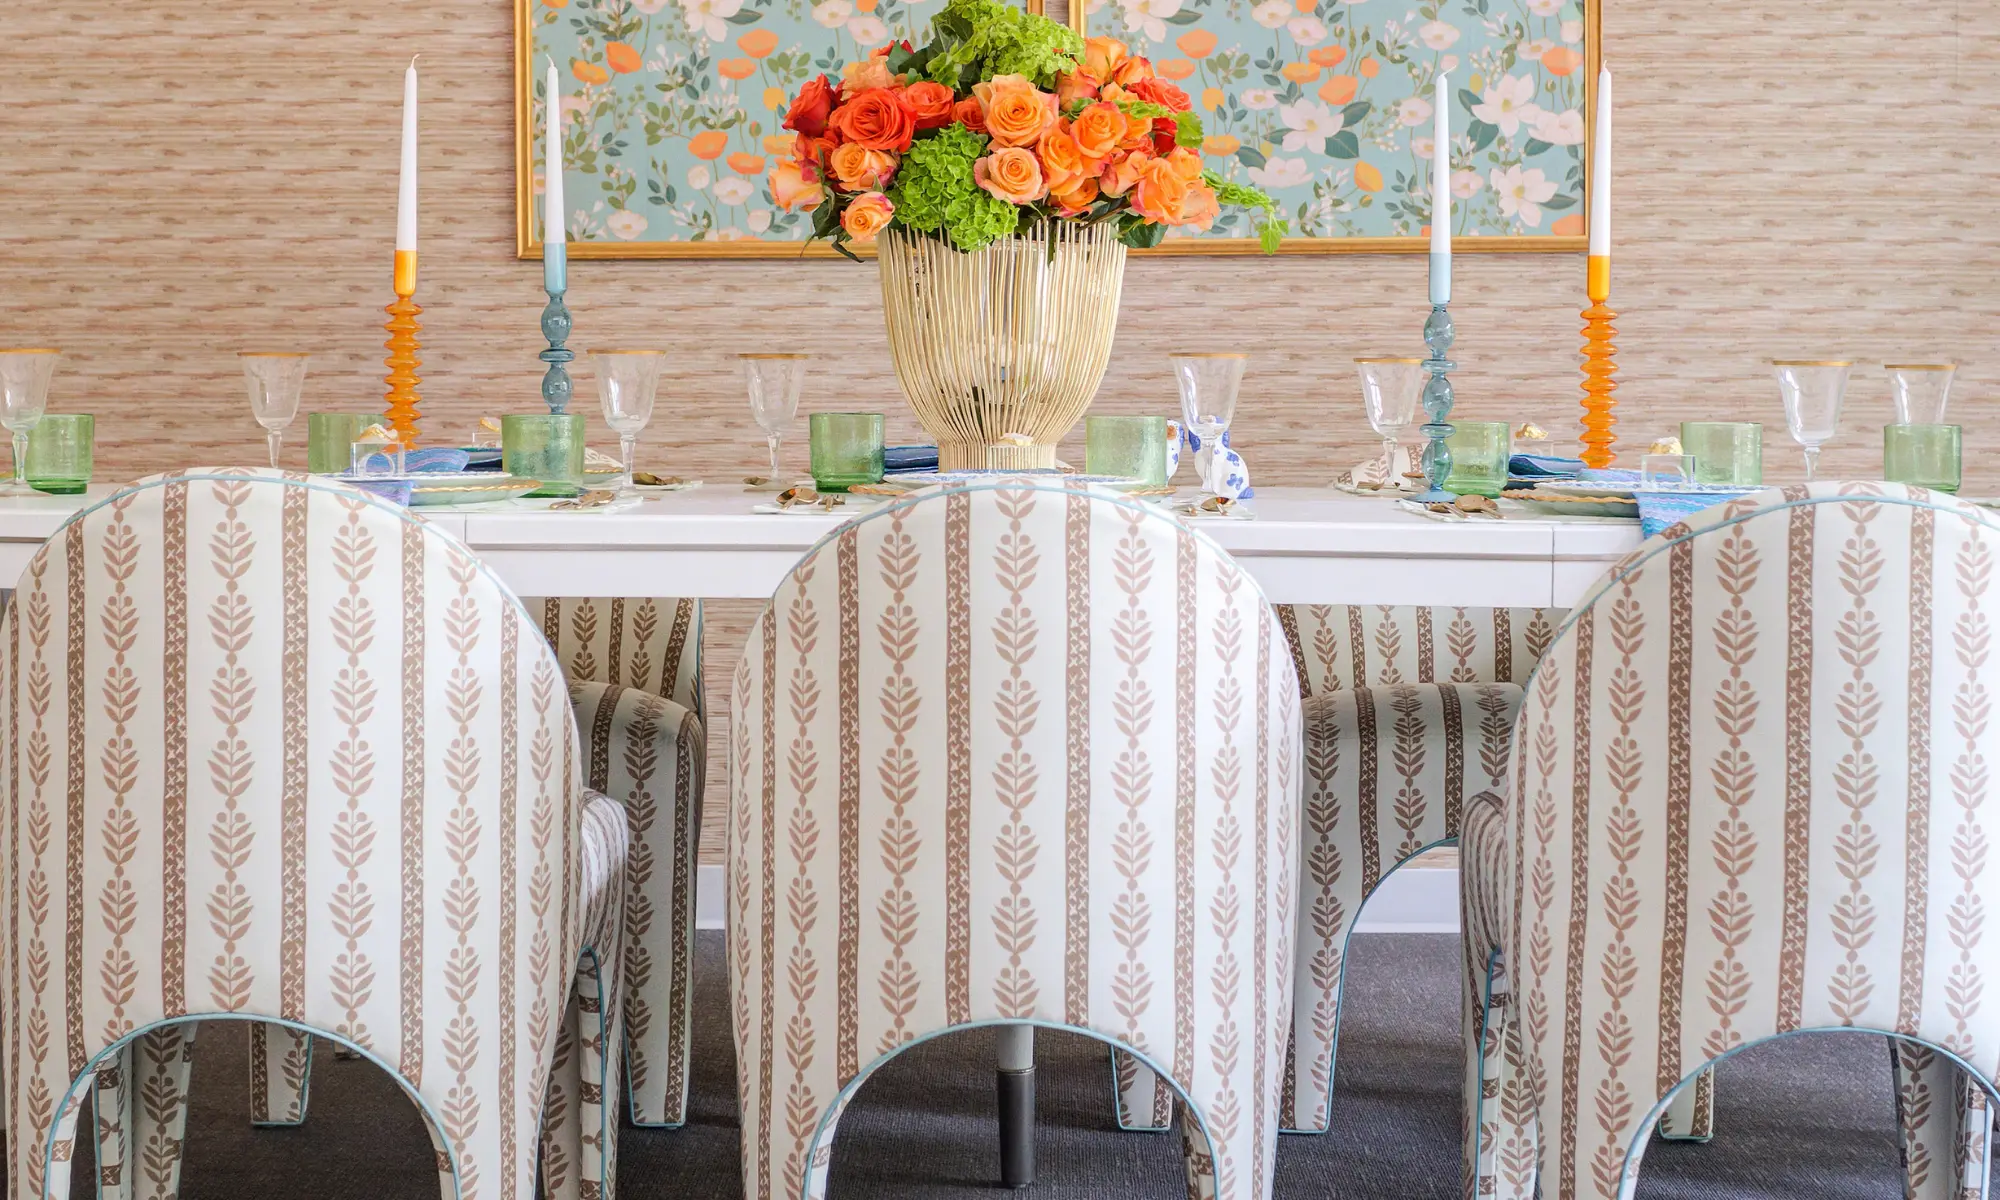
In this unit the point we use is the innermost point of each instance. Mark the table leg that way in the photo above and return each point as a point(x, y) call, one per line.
point(1014, 1072)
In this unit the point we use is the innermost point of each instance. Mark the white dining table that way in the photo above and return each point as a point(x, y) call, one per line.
point(1305, 546)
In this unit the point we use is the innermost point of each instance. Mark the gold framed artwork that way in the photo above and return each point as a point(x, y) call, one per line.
point(671, 115)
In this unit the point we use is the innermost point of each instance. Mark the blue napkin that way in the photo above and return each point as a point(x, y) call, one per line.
point(395, 491)
point(909, 458)
point(436, 459)
point(1543, 466)
point(1659, 509)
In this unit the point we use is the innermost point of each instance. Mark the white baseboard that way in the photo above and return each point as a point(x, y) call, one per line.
point(1412, 900)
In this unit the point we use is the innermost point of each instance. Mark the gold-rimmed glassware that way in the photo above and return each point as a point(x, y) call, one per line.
point(627, 382)
point(24, 396)
point(1812, 390)
point(274, 381)
point(1390, 390)
point(773, 382)
point(1208, 384)
point(1919, 391)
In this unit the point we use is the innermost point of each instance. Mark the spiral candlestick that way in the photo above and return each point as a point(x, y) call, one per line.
point(1438, 335)
point(401, 399)
point(1598, 367)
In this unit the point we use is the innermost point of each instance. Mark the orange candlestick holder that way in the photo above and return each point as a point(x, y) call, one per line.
point(1599, 366)
point(401, 399)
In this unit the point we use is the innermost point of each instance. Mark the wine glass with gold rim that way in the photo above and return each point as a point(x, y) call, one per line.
point(1208, 384)
point(773, 382)
point(1812, 390)
point(274, 381)
point(24, 396)
point(1390, 389)
point(627, 381)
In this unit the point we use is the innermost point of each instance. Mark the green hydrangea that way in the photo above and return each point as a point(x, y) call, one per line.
point(978, 220)
point(979, 39)
point(934, 191)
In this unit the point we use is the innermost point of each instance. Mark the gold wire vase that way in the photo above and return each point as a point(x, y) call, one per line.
point(1000, 351)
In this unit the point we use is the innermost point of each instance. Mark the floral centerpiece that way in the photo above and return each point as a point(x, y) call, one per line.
point(1001, 170)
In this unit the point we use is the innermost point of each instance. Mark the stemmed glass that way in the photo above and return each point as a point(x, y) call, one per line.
point(626, 383)
point(1208, 384)
point(24, 394)
point(1919, 391)
point(1390, 389)
point(1812, 390)
point(773, 381)
point(274, 381)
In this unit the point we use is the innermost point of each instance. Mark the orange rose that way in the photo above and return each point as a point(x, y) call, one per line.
point(810, 154)
point(1017, 112)
point(858, 169)
point(1098, 130)
point(1101, 56)
point(876, 119)
point(868, 73)
point(1079, 85)
point(1062, 163)
point(792, 191)
point(867, 216)
point(1184, 163)
point(1160, 195)
point(930, 103)
point(1123, 173)
point(811, 107)
point(968, 113)
point(1079, 196)
point(1012, 174)
point(1131, 71)
point(1200, 208)
point(1159, 91)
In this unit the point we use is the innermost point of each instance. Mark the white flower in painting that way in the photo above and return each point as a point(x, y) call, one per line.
point(1308, 124)
point(1414, 113)
point(1150, 16)
point(1438, 35)
point(649, 7)
point(711, 17)
point(626, 224)
point(1258, 98)
point(729, 233)
point(1272, 14)
point(1306, 31)
point(698, 177)
point(1535, 49)
point(1545, 8)
point(1572, 32)
point(832, 13)
point(759, 221)
point(1510, 100)
point(1522, 193)
point(734, 190)
point(868, 30)
point(1466, 184)
point(1281, 173)
point(1558, 129)
point(1422, 146)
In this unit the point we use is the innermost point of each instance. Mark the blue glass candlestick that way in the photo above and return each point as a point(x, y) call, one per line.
point(1438, 335)
point(555, 327)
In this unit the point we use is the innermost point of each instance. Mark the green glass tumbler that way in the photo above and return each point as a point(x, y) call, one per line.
point(1925, 455)
point(330, 439)
point(1725, 451)
point(547, 447)
point(1132, 448)
point(61, 449)
point(846, 450)
point(1479, 454)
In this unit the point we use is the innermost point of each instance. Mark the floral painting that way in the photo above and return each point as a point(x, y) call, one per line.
point(671, 109)
point(1327, 106)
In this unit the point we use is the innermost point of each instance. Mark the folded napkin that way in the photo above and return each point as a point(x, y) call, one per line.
point(436, 460)
point(1544, 466)
point(1373, 477)
point(1664, 507)
point(897, 459)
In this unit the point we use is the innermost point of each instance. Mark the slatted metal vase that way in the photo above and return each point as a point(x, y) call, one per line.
point(1000, 351)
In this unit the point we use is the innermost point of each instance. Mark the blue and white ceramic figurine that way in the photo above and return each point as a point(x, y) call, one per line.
point(1232, 477)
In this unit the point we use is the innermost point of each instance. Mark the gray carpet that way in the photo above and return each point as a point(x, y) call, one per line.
point(1806, 1118)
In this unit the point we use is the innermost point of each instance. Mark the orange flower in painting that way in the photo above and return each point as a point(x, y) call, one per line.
point(867, 216)
point(623, 58)
point(556, 3)
point(588, 72)
point(736, 68)
point(1098, 130)
point(757, 43)
point(1568, 226)
point(1300, 72)
point(1176, 68)
point(1370, 68)
point(1367, 177)
point(858, 169)
point(1222, 145)
point(745, 163)
point(968, 113)
point(777, 143)
point(1339, 89)
point(930, 103)
point(1328, 56)
point(708, 144)
point(877, 119)
point(1196, 43)
point(1561, 61)
point(1017, 112)
point(792, 191)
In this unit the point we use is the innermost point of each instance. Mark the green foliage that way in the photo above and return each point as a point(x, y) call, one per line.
point(978, 219)
point(1187, 131)
point(973, 40)
point(934, 191)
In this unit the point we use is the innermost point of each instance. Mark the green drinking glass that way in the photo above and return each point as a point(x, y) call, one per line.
point(330, 439)
point(1126, 448)
point(846, 450)
point(1725, 451)
point(1479, 454)
point(61, 448)
point(547, 447)
point(1925, 455)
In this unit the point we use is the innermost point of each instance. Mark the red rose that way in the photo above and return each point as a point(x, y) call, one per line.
point(875, 119)
point(810, 154)
point(968, 113)
point(930, 103)
point(1160, 91)
point(811, 107)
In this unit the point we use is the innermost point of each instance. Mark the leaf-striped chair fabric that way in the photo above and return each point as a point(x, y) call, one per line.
point(1013, 752)
point(653, 645)
point(276, 750)
point(1752, 796)
point(1376, 645)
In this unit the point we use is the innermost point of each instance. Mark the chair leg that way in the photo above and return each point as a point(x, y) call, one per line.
point(1014, 1073)
point(280, 1074)
point(141, 1115)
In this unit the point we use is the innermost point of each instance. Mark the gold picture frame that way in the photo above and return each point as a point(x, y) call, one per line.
point(528, 244)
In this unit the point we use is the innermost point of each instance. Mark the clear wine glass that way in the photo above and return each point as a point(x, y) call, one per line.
point(773, 382)
point(1812, 391)
point(1208, 384)
point(1390, 389)
point(274, 382)
point(627, 381)
point(1919, 391)
point(24, 395)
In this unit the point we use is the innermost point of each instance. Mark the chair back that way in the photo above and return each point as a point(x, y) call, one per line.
point(1379, 645)
point(1753, 795)
point(653, 645)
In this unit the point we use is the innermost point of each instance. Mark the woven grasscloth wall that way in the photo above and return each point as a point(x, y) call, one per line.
point(184, 180)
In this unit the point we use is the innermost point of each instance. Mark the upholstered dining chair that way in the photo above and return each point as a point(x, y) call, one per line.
point(1012, 753)
point(1751, 797)
point(280, 752)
